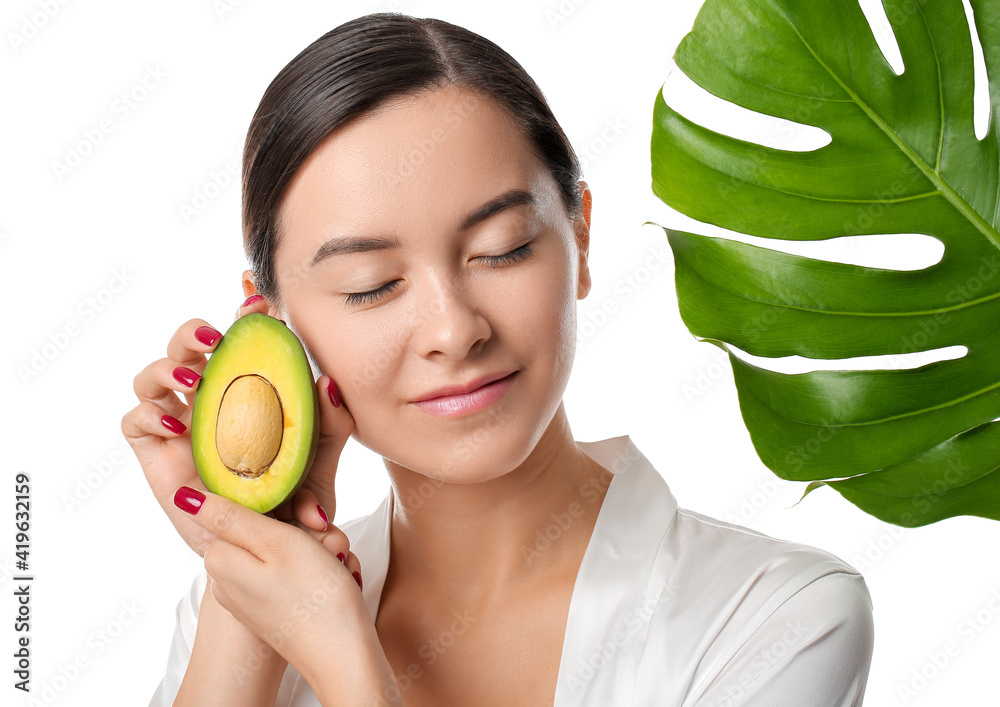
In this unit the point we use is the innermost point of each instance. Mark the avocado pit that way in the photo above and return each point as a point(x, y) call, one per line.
point(250, 426)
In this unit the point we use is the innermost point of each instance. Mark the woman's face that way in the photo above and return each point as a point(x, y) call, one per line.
point(403, 274)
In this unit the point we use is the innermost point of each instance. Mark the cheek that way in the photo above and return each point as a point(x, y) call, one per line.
point(551, 308)
point(358, 356)
point(364, 362)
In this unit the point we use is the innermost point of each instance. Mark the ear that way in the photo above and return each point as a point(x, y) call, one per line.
point(250, 288)
point(582, 226)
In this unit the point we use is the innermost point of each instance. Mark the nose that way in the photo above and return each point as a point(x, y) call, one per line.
point(449, 322)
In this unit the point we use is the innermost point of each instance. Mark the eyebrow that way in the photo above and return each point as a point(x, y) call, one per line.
point(363, 244)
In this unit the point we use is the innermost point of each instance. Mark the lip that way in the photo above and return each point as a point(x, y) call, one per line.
point(464, 389)
point(466, 399)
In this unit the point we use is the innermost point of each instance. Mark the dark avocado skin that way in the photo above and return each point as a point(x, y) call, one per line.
point(262, 345)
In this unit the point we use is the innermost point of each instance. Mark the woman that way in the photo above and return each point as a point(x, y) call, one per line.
point(414, 213)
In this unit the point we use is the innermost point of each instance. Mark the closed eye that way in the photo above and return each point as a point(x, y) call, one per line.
point(494, 261)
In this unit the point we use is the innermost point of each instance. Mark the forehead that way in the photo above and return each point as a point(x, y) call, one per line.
point(416, 162)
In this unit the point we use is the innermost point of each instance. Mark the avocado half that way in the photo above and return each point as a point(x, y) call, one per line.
point(255, 420)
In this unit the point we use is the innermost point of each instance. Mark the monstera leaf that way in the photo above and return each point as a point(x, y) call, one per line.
point(909, 446)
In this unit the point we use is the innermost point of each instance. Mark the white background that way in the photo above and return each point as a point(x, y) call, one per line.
point(105, 253)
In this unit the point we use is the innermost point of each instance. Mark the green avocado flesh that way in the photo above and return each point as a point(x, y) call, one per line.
point(255, 422)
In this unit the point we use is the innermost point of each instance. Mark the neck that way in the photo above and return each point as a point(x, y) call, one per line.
point(475, 541)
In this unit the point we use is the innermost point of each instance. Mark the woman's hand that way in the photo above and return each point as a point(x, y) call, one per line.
point(157, 431)
point(285, 584)
point(157, 428)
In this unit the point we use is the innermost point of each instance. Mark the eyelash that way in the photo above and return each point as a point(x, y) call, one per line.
point(494, 261)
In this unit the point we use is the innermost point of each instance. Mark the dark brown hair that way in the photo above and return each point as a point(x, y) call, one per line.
point(349, 72)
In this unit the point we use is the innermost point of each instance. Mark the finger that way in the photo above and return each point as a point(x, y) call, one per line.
point(259, 305)
point(353, 565)
point(285, 512)
point(257, 537)
point(303, 507)
point(192, 340)
point(336, 427)
point(148, 418)
point(336, 422)
point(187, 349)
point(336, 542)
point(333, 538)
point(309, 511)
point(157, 384)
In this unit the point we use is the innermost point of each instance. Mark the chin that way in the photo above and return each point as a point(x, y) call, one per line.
point(469, 457)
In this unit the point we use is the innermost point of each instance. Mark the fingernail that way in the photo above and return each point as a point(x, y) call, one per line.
point(334, 395)
point(207, 335)
point(340, 556)
point(186, 376)
point(251, 299)
point(173, 424)
point(322, 514)
point(189, 500)
point(357, 578)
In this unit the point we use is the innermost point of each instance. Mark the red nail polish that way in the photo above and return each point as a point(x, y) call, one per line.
point(189, 500)
point(251, 299)
point(186, 376)
point(357, 578)
point(334, 396)
point(173, 424)
point(322, 514)
point(340, 556)
point(207, 335)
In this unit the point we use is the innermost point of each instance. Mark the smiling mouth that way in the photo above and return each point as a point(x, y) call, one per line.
point(457, 390)
point(467, 403)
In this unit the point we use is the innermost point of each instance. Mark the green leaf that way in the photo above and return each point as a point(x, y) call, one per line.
point(909, 446)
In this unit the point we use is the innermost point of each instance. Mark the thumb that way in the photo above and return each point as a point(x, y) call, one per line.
point(336, 421)
point(335, 428)
point(241, 527)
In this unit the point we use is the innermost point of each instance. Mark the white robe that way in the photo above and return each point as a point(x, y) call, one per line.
point(670, 607)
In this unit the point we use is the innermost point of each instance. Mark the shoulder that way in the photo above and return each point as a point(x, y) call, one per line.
point(770, 619)
point(709, 548)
